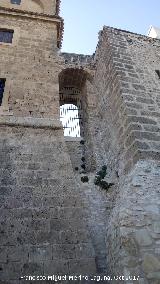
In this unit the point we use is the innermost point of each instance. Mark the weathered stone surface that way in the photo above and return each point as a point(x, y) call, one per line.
point(36, 233)
point(36, 7)
point(151, 263)
point(143, 237)
point(49, 221)
point(154, 275)
point(156, 227)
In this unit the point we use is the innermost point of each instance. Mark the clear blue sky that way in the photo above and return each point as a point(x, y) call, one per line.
point(84, 18)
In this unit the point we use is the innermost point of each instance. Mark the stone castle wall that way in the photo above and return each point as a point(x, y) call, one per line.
point(43, 225)
point(127, 140)
point(133, 230)
point(130, 89)
point(39, 194)
point(50, 221)
point(76, 152)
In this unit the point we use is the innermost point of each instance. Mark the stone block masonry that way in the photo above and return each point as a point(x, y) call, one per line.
point(51, 223)
point(76, 152)
point(38, 234)
point(133, 235)
point(30, 65)
point(130, 88)
point(128, 91)
point(46, 6)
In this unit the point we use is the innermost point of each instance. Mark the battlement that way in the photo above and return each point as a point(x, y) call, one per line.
point(78, 60)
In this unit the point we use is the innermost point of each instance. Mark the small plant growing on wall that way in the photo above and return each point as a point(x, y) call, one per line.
point(105, 185)
point(82, 142)
point(83, 159)
point(99, 179)
point(83, 166)
point(102, 173)
point(84, 179)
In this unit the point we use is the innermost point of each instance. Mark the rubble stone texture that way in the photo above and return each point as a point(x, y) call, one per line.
point(50, 221)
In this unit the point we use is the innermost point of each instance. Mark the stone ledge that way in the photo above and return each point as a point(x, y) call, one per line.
point(31, 122)
point(72, 139)
point(29, 14)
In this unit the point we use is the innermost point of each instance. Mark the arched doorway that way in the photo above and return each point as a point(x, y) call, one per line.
point(76, 99)
point(72, 99)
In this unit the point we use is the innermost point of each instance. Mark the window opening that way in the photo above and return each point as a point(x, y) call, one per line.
point(69, 116)
point(6, 35)
point(2, 86)
point(18, 2)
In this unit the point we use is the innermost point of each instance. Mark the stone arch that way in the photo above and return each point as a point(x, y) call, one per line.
point(76, 84)
point(71, 75)
point(72, 90)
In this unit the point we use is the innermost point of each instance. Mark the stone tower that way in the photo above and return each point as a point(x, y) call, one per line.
point(30, 36)
point(43, 231)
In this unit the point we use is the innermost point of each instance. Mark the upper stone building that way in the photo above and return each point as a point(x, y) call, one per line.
point(51, 223)
point(48, 7)
point(30, 35)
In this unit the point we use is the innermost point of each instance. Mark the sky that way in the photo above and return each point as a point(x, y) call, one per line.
point(83, 19)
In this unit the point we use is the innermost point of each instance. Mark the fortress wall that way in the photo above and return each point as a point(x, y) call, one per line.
point(44, 214)
point(127, 140)
point(106, 123)
point(42, 217)
point(133, 230)
point(31, 67)
point(135, 59)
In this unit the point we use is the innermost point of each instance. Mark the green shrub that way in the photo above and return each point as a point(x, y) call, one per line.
point(99, 179)
point(84, 179)
point(102, 173)
point(83, 166)
point(105, 185)
point(104, 168)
